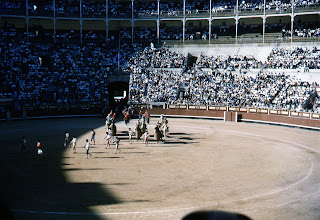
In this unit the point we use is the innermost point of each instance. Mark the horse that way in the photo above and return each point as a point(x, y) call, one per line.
point(157, 134)
point(113, 129)
point(164, 129)
point(143, 128)
point(138, 132)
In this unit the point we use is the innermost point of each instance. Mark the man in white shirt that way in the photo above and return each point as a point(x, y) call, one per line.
point(73, 143)
point(87, 146)
point(66, 139)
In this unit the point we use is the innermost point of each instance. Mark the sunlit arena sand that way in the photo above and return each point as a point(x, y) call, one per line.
point(262, 171)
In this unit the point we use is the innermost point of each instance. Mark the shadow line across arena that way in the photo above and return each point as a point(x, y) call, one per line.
point(34, 189)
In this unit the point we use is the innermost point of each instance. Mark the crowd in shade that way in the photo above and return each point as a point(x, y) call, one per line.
point(97, 8)
point(141, 34)
point(43, 74)
point(8, 33)
point(151, 82)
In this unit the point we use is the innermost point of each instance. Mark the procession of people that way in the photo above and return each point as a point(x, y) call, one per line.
point(140, 130)
point(136, 131)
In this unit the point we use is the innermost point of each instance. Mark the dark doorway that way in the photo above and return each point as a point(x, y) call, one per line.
point(118, 93)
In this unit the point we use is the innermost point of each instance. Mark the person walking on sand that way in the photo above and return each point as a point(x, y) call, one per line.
point(38, 144)
point(66, 139)
point(108, 138)
point(117, 141)
point(73, 144)
point(23, 144)
point(87, 146)
point(147, 116)
point(131, 133)
point(93, 137)
point(39, 154)
point(125, 116)
point(39, 150)
point(146, 138)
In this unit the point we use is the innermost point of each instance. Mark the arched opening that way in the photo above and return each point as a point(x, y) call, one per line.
point(118, 92)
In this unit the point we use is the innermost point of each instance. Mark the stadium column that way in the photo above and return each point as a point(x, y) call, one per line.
point(107, 22)
point(81, 31)
point(27, 20)
point(158, 23)
point(54, 21)
point(263, 28)
point(132, 20)
point(237, 21)
point(158, 31)
point(183, 29)
point(210, 20)
point(184, 20)
point(210, 24)
point(264, 21)
point(81, 22)
point(292, 18)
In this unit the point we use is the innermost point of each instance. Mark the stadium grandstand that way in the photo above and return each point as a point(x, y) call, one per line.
point(74, 57)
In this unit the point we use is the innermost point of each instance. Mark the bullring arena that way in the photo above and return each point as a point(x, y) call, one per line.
point(239, 82)
point(262, 171)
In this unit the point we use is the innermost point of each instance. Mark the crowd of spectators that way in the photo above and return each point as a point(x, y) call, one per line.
point(170, 33)
point(217, 85)
point(41, 8)
point(294, 58)
point(72, 74)
point(37, 74)
point(153, 85)
point(119, 8)
point(294, 95)
point(316, 106)
point(60, 74)
point(236, 61)
point(279, 58)
point(152, 57)
point(97, 8)
point(93, 9)
point(198, 87)
point(145, 33)
point(301, 32)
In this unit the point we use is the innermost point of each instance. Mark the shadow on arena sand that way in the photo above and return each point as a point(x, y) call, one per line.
point(34, 189)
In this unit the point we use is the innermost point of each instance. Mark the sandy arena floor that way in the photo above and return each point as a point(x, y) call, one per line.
point(262, 171)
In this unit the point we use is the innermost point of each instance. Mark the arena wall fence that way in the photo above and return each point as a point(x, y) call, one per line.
point(308, 120)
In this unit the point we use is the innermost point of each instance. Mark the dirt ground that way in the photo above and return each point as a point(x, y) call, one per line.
point(262, 171)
